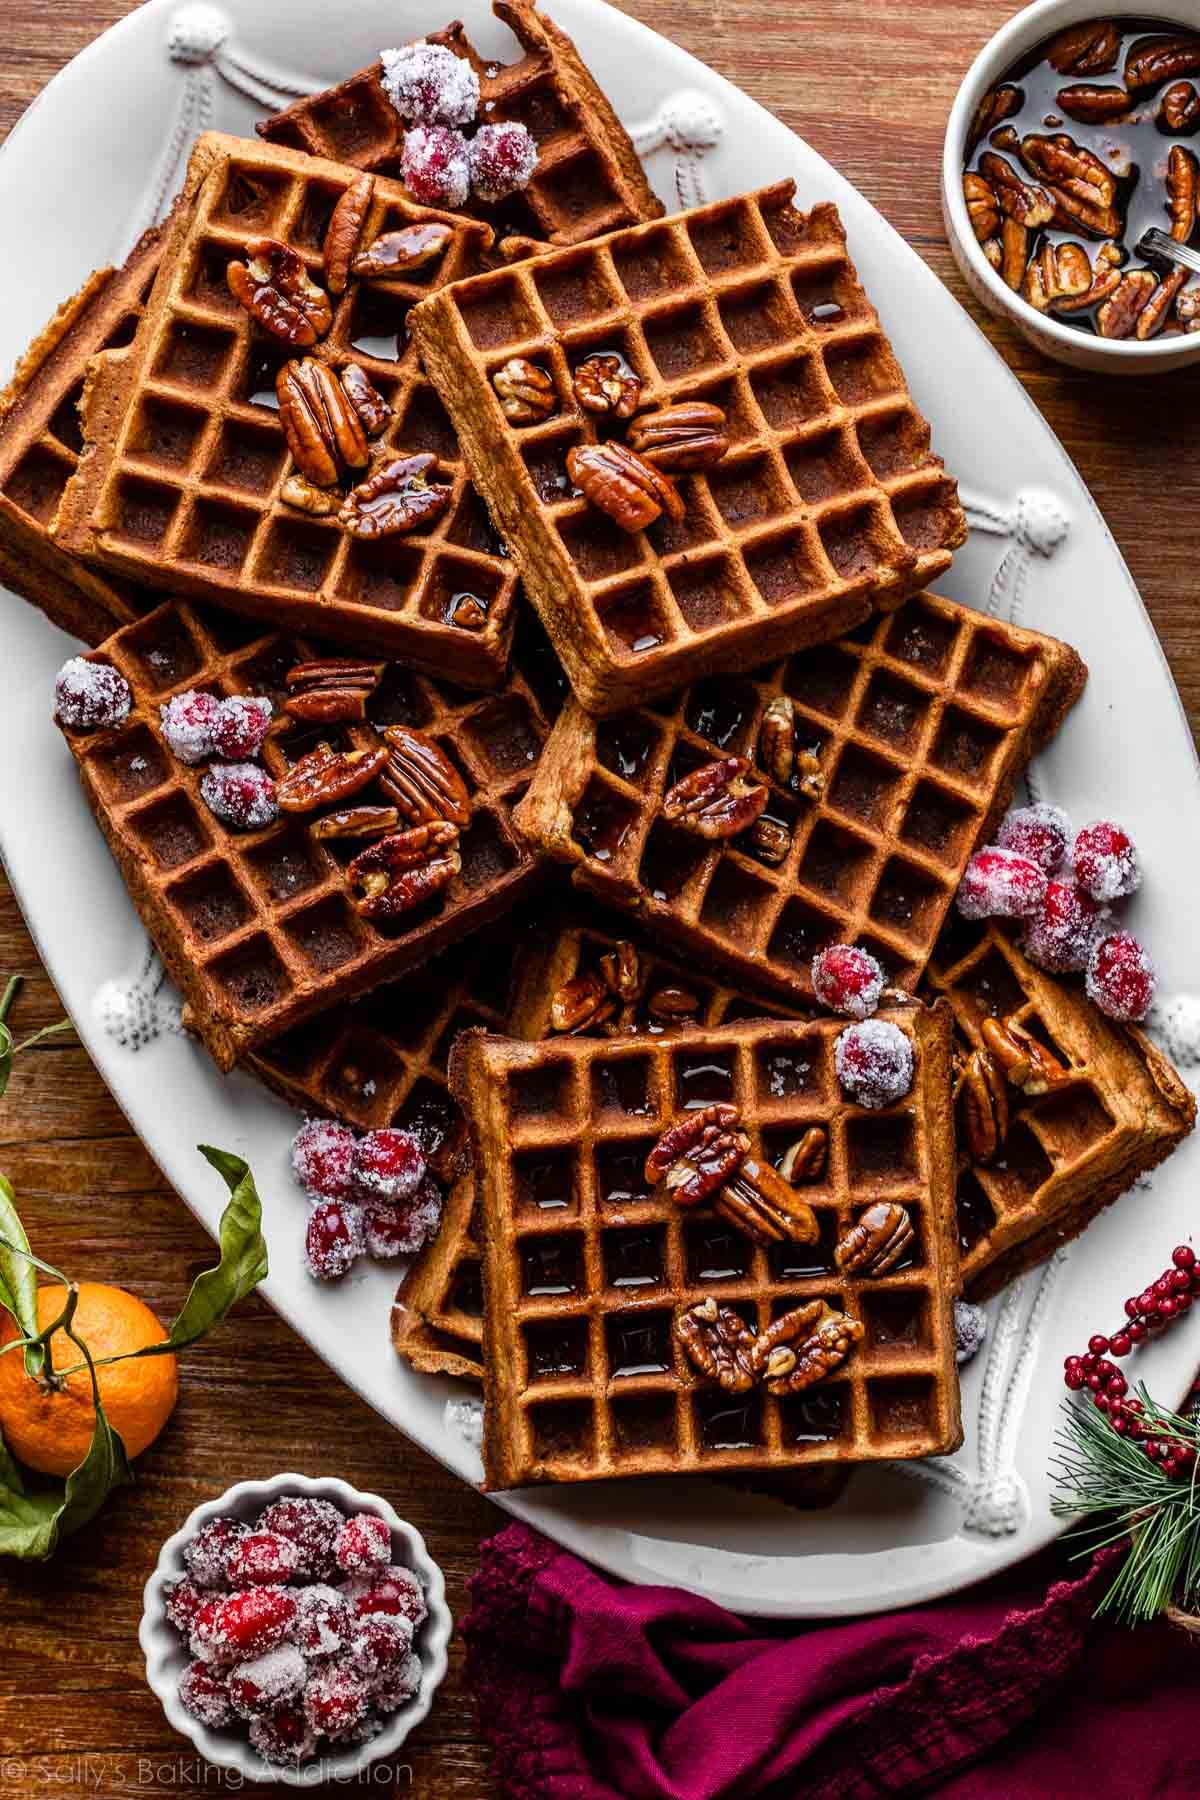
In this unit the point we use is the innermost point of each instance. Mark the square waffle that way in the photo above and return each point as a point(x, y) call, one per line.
point(588, 179)
point(828, 504)
point(586, 1269)
point(1068, 1153)
point(258, 928)
point(921, 723)
point(41, 442)
point(181, 488)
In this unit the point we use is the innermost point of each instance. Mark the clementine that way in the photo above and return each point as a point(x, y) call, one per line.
point(52, 1431)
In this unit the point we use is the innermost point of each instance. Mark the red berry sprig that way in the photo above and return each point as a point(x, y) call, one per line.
point(1151, 1311)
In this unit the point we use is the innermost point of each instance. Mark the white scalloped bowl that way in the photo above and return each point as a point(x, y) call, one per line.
point(1065, 343)
point(167, 1655)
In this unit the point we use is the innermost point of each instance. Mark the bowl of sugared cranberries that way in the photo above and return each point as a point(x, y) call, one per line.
point(295, 1629)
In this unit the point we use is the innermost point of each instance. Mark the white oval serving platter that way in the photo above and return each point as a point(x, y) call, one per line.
point(91, 163)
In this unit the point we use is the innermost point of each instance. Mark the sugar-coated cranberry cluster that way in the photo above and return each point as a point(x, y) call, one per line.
point(1064, 885)
point(436, 93)
point(300, 1625)
point(1146, 1314)
point(198, 725)
point(374, 1194)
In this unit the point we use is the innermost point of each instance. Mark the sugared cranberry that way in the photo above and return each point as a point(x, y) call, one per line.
point(402, 1230)
point(1106, 862)
point(240, 794)
point(324, 1618)
point(204, 1693)
point(187, 722)
point(847, 980)
point(1060, 935)
point(323, 1159)
point(207, 1641)
point(388, 1165)
point(379, 1643)
point(255, 1620)
point(1120, 977)
point(874, 1062)
point(181, 1602)
point(267, 1682)
point(285, 1737)
point(435, 167)
point(394, 1590)
point(364, 1543)
point(91, 696)
point(999, 884)
point(334, 1240)
point(263, 1559)
point(241, 725)
point(312, 1525)
point(1039, 832)
point(428, 85)
point(399, 1686)
point(502, 158)
point(335, 1700)
point(208, 1551)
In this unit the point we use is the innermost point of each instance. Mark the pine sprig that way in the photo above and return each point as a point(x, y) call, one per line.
point(1108, 1478)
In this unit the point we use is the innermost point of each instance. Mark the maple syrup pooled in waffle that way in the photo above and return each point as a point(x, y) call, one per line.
point(262, 928)
point(588, 1268)
point(587, 180)
point(907, 737)
point(1101, 1107)
point(183, 488)
point(827, 504)
point(41, 441)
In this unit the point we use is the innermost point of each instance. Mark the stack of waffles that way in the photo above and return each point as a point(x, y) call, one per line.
point(560, 572)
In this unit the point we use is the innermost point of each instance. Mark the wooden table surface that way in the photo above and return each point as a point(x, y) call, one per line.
point(76, 1716)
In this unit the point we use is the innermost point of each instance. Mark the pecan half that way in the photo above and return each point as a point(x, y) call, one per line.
point(1118, 316)
point(1093, 105)
point(1153, 315)
point(716, 800)
point(1057, 272)
point(279, 294)
point(621, 968)
point(604, 383)
point(803, 1346)
point(422, 780)
point(777, 739)
point(808, 778)
point(298, 491)
point(357, 822)
point(804, 1160)
point(767, 1208)
point(983, 209)
point(1026, 1063)
point(323, 431)
point(1088, 49)
point(1187, 309)
point(1106, 276)
point(470, 614)
point(771, 841)
point(396, 498)
point(333, 691)
point(671, 1003)
point(581, 1003)
point(1017, 199)
point(998, 104)
point(1082, 189)
point(1182, 172)
point(994, 253)
point(326, 777)
point(404, 870)
point(344, 231)
point(614, 478)
point(372, 409)
point(1164, 58)
point(1014, 253)
point(982, 1106)
point(876, 1241)
point(1179, 109)
point(720, 1344)
point(397, 253)
point(697, 1154)
point(691, 435)
point(526, 392)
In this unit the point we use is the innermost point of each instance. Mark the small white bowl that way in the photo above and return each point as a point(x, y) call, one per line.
point(1066, 343)
point(167, 1655)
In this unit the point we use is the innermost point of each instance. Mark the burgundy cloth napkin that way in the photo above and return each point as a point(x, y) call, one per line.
point(589, 1689)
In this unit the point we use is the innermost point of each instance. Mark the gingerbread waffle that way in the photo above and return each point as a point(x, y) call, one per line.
point(586, 1269)
point(259, 928)
point(41, 442)
point(919, 725)
point(588, 179)
point(1116, 1109)
point(181, 487)
point(828, 504)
